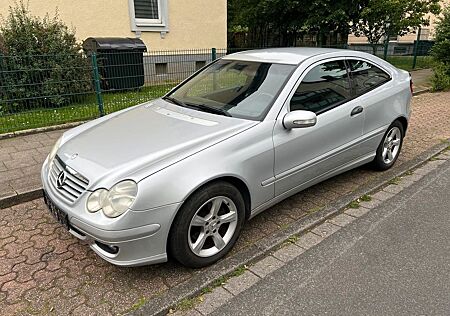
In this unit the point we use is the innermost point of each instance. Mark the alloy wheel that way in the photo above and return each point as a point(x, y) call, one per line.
point(212, 226)
point(391, 145)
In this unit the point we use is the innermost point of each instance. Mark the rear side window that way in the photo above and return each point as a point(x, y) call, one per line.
point(365, 76)
point(324, 87)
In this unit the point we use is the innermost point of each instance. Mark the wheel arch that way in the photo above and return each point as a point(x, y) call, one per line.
point(403, 120)
point(242, 187)
point(236, 181)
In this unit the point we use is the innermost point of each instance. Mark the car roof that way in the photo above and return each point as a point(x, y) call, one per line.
point(289, 55)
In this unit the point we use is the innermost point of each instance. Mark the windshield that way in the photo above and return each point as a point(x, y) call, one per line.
point(243, 89)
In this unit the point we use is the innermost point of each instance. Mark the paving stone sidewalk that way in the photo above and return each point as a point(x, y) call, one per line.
point(21, 159)
point(44, 270)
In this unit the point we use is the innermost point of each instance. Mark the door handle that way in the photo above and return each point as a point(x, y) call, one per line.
point(356, 110)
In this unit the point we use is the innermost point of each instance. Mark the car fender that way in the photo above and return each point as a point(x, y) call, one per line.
point(249, 159)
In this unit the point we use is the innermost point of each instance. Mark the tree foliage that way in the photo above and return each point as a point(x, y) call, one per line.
point(327, 16)
point(441, 52)
point(441, 48)
point(282, 22)
point(40, 62)
point(380, 18)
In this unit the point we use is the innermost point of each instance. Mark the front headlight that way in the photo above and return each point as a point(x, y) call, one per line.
point(96, 200)
point(114, 202)
point(55, 148)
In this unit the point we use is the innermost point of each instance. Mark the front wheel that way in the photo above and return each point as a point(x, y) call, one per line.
point(390, 146)
point(207, 225)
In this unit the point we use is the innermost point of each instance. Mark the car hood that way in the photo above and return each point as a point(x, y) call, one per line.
point(143, 140)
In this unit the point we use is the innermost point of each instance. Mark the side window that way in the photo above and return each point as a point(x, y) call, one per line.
point(322, 88)
point(366, 76)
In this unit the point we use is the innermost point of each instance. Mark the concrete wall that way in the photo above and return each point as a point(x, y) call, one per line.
point(192, 24)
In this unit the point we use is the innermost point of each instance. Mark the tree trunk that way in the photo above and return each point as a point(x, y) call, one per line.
point(374, 48)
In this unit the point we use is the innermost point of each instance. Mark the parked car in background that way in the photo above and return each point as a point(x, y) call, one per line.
point(179, 176)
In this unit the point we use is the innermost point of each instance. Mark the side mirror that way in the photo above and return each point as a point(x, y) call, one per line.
point(299, 119)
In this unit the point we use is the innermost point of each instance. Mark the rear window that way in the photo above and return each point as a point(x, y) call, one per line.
point(366, 76)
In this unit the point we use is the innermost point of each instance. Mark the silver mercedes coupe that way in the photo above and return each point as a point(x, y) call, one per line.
point(179, 176)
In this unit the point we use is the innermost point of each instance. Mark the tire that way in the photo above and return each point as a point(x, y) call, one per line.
point(194, 239)
point(390, 147)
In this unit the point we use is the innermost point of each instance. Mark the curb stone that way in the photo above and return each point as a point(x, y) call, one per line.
point(22, 197)
point(268, 265)
point(40, 130)
point(162, 304)
point(415, 93)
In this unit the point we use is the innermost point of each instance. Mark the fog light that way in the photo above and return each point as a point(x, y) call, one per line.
point(107, 248)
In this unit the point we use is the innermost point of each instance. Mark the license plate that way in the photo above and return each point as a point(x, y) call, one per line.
point(57, 213)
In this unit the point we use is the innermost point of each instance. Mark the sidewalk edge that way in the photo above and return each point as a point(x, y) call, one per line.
point(419, 92)
point(40, 130)
point(20, 198)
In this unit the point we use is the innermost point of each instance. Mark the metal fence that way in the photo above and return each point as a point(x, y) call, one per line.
point(45, 90)
point(408, 56)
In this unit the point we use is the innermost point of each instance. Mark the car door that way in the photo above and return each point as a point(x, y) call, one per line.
point(304, 154)
point(369, 87)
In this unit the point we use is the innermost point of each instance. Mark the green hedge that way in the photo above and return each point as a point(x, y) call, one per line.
point(41, 64)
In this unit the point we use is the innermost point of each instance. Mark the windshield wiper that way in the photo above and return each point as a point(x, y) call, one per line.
point(201, 107)
point(176, 101)
point(210, 109)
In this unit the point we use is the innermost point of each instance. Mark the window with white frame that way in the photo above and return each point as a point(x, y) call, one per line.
point(147, 12)
point(148, 15)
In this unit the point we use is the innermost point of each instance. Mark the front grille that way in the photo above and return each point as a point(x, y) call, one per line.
point(74, 184)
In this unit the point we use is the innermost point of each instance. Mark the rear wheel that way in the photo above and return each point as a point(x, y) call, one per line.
point(390, 146)
point(207, 225)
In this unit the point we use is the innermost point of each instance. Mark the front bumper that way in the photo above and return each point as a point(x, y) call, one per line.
point(138, 246)
point(132, 239)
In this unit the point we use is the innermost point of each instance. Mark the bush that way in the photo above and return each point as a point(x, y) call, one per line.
point(441, 77)
point(41, 64)
point(441, 53)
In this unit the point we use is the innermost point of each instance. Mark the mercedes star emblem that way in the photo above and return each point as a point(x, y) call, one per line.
point(61, 179)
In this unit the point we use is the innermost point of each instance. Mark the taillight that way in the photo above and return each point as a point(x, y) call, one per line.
point(410, 83)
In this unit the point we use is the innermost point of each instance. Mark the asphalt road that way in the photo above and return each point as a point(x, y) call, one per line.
point(393, 261)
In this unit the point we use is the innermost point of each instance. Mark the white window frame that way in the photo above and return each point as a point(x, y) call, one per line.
point(150, 25)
